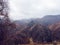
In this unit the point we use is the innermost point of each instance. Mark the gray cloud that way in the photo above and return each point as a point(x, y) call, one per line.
point(25, 9)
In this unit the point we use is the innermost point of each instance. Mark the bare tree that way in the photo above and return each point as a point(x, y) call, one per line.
point(4, 20)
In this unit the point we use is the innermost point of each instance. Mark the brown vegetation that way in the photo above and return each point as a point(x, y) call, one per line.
point(30, 34)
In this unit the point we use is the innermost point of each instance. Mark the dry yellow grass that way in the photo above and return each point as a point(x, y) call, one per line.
point(38, 44)
point(32, 43)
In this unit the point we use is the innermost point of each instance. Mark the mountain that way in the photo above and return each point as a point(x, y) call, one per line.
point(55, 31)
point(50, 19)
point(46, 20)
point(38, 33)
point(46, 29)
point(41, 33)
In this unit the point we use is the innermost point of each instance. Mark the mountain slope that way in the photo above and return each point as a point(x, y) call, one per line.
point(46, 20)
point(55, 31)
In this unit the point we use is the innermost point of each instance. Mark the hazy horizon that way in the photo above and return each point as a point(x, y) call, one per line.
point(26, 9)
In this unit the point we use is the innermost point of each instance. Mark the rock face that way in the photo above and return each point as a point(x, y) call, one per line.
point(55, 31)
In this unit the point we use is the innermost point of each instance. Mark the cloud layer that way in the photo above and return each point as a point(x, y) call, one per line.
point(25, 9)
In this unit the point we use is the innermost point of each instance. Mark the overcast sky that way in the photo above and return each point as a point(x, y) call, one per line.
point(25, 9)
